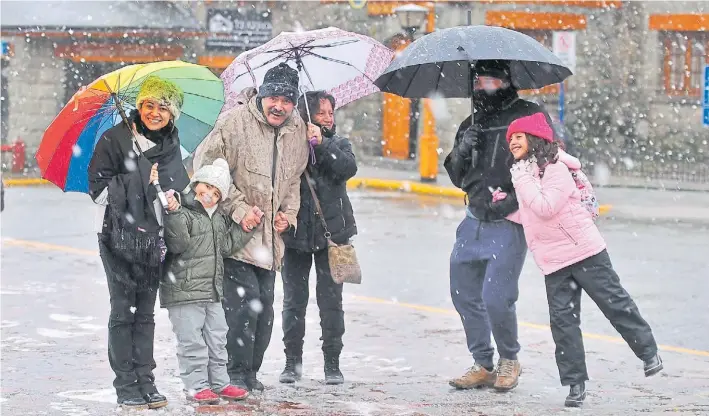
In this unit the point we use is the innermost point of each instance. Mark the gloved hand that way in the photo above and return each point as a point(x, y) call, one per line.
point(498, 195)
point(470, 142)
point(506, 206)
point(524, 167)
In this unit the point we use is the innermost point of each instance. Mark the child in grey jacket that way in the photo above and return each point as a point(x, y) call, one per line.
point(197, 236)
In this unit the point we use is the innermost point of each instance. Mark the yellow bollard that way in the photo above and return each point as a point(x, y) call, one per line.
point(428, 141)
point(428, 145)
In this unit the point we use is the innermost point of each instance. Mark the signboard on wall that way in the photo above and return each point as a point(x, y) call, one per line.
point(129, 53)
point(234, 29)
point(564, 46)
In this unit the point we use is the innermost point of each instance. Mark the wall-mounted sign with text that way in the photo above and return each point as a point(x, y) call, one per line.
point(234, 29)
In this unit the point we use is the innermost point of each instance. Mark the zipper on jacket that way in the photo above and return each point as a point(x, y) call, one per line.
point(217, 252)
point(494, 150)
point(566, 233)
point(274, 165)
point(342, 214)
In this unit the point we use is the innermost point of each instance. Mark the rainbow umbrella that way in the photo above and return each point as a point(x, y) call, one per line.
point(68, 143)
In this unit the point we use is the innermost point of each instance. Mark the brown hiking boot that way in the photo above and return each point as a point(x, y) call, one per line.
point(476, 377)
point(508, 372)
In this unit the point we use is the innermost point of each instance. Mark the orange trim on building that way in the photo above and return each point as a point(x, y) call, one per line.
point(591, 4)
point(217, 62)
point(679, 22)
point(535, 21)
point(54, 34)
point(386, 8)
point(87, 52)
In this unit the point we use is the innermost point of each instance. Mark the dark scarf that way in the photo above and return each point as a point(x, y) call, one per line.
point(329, 133)
point(488, 104)
point(131, 222)
point(166, 153)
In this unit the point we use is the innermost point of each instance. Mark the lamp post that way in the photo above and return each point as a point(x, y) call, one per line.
point(411, 17)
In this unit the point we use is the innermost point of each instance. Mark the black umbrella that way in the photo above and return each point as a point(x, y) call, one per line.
point(441, 62)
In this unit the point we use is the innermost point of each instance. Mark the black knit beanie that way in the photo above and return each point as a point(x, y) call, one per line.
point(280, 81)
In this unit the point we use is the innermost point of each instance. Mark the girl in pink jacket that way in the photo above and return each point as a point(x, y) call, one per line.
point(568, 248)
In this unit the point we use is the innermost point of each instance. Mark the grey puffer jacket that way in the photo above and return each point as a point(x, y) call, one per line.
point(196, 246)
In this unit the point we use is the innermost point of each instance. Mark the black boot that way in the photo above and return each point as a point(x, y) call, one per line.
point(253, 383)
point(155, 400)
point(136, 403)
point(239, 380)
point(293, 371)
point(653, 366)
point(333, 375)
point(577, 394)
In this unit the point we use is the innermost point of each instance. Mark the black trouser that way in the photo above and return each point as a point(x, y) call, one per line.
point(596, 276)
point(248, 306)
point(131, 332)
point(296, 270)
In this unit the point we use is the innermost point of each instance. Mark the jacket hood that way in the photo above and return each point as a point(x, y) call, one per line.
point(570, 161)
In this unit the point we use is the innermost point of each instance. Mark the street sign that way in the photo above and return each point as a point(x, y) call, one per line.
point(6, 49)
point(705, 101)
point(564, 46)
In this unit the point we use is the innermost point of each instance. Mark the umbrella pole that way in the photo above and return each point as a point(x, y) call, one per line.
point(471, 76)
point(156, 184)
point(123, 115)
point(305, 100)
point(471, 65)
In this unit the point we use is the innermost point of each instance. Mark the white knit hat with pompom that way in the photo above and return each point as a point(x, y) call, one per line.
point(217, 174)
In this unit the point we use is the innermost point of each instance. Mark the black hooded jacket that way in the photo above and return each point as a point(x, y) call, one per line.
point(335, 164)
point(495, 160)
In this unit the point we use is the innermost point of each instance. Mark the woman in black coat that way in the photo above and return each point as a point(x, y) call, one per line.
point(130, 242)
point(332, 164)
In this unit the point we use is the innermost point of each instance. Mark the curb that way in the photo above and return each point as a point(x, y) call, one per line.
point(354, 183)
point(422, 189)
point(18, 182)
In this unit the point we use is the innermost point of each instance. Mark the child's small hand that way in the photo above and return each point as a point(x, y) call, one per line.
point(172, 203)
point(498, 195)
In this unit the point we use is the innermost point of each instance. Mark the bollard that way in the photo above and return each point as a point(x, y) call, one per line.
point(18, 155)
point(428, 151)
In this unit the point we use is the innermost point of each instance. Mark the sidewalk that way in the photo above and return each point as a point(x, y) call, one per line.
point(624, 198)
point(631, 203)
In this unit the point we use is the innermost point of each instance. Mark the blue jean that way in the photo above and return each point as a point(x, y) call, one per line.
point(485, 265)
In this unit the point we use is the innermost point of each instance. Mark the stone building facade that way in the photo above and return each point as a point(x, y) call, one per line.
point(633, 102)
point(59, 46)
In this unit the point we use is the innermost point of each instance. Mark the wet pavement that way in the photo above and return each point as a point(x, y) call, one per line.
point(403, 340)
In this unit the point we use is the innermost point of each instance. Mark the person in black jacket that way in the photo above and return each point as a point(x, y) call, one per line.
point(332, 164)
point(489, 251)
point(131, 243)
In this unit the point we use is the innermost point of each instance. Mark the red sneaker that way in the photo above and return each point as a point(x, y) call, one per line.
point(206, 396)
point(233, 393)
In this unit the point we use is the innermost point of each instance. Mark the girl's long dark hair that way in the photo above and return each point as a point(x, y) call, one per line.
point(546, 152)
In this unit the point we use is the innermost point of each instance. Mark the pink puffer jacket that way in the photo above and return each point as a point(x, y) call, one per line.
point(558, 228)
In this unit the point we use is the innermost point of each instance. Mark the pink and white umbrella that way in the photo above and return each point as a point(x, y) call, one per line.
point(345, 64)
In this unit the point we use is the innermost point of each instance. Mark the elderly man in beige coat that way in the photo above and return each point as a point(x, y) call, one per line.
point(267, 151)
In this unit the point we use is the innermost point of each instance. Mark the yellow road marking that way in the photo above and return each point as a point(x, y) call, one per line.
point(608, 338)
point(432, 309)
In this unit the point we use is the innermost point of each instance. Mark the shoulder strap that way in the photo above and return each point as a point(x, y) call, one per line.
point(318, 208)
